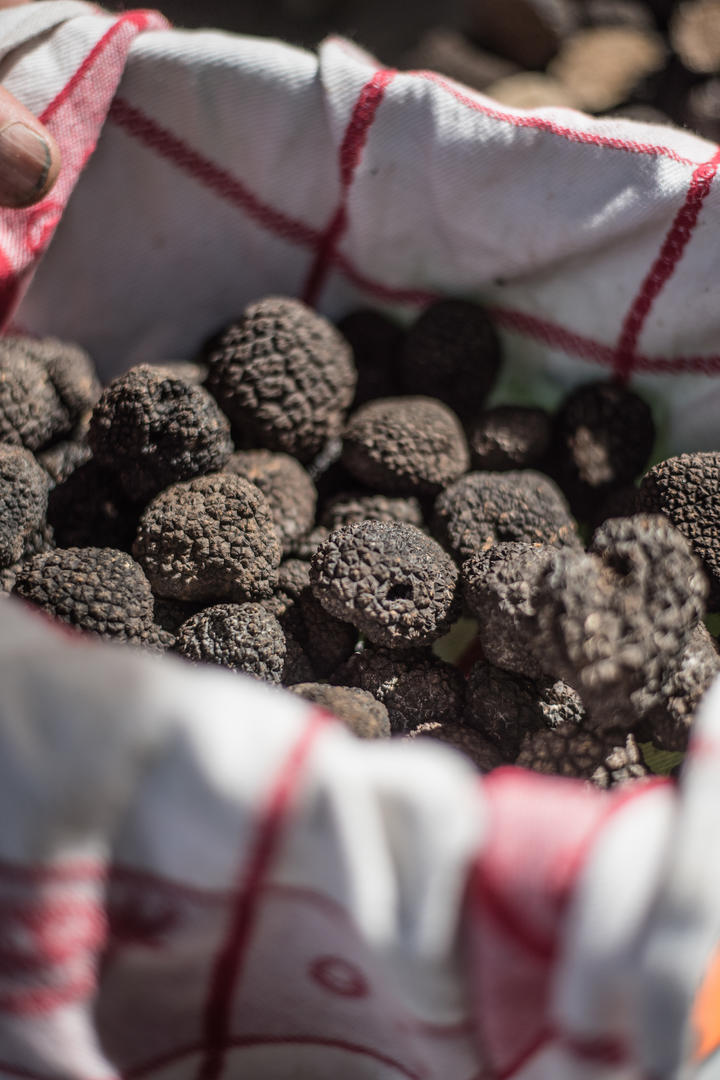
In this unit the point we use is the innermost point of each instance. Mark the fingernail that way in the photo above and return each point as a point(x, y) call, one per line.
point(25, 162)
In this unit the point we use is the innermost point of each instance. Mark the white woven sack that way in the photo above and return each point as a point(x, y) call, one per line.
point(200, 876)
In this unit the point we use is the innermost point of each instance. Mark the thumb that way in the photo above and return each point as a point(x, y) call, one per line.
point(29, 156)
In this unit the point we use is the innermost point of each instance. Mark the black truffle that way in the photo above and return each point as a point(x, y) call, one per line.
point(325, 641)
point(376, 342)
point(71, 372)
point(98, 590)
point(414, 686)
point(452, 352)
point(509, 437)
point(290, 492)
point(391, 581)
point(292, 580)
point(88, 509)
point(566, 750)
point(405, 445)
point(347, 509)
point(211, 538)
point(285, 377)
point(484, 754)
point(152, 430)
point(31, 413)
point(242, 637)
point(23, 501)
point(363, 714)
point(483, 508)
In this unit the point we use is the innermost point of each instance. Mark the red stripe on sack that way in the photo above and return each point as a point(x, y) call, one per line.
point(553, 335)
point(351, 148)
point(608, 142)
point(222, 183)
point(494, 906)
point(228, 963)
point(661, 271)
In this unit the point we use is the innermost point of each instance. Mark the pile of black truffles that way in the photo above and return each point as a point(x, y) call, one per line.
point(269, 509)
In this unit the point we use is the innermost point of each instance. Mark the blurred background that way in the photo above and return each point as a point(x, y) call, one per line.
point(655, 60)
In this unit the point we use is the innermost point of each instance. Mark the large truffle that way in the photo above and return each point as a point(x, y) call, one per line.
point(152, 429)
point(285, 377)
point(483, 508)
point(31, 412)
point(363, 714)
point(391, 581)
point(405, 445)
point(452, 352)
point(23, 500)
point(242, 637)
point(97, 590)
point(286, 485)
point(211, 538)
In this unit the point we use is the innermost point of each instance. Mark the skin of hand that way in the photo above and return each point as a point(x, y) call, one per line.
point(29, 156)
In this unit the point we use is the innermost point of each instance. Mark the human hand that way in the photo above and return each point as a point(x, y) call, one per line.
point(29, 156)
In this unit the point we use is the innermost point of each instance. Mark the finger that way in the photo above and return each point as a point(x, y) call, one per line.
point(29, 156)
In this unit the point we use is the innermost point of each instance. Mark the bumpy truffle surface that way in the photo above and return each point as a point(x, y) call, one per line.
point(603, 437)
point(290, 492)
point(414, 686)
point(71, 372)
point(392, 582)
point(452, 352)
point(484, 755)
point(98, 590)
point(509, 437)
point(284, 376)
point(31, 413)
point(564, 751)
point(686, 489)
point(405, 445)
point(376, 342)
point(242, 637)
point(152, 429)
point(360, 711)
point(347, 509)
point(211, 538)
point(23, 500)
point(483, 508)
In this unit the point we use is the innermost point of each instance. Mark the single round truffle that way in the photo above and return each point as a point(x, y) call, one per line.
point(376, 342)
point(285, 377)
point(242, 637)
point(31, 413)
point(211, 538)
point(97, 590)
point(452, 352)
point(152, 429)
point(24, 489)
point(347, 509)
point(603, 437)
point(405, 445)
point(391, 581)
point(414, 686)
point(363, 714)
point(484, 754)
point(483, 508)
point(509, 437)
point(290, 492)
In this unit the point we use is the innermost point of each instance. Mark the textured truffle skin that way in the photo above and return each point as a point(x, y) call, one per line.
point(98, 590)
point(483, 508)
point(88, 509)
point(31, 413)
point(405, 445)
point(414, 686)
point(686, 489)
point(152, 429)
point(484, 755)
point(452, 352)
point(396, 585)
point(285, 377)
point(24, 489)
point(501, 589)
point(211, 538)
point(566, 750)
point(286, 485)
point(363, 714)
point(623, 764)
point(71, 372)
point(242, 637)
point(603, 437)
point(347, 509)
point(509, 437)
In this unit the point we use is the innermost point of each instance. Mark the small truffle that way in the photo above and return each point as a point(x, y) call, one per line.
point(285, 377)
point(98, 590)
point(211, 538)
point(347, 509)
point(363, 714)
point(452, 352)
point(152, 430)
point(567, 750)
point(483, 508)
point(414, 686)
point(484, 755)
point(376, 342)
point(405, 445)
point(290, 492)
point(23, 501)
point(391, 581)
point(509, 437)
point(242, 637)
point(72, 374)
point(31, 413)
